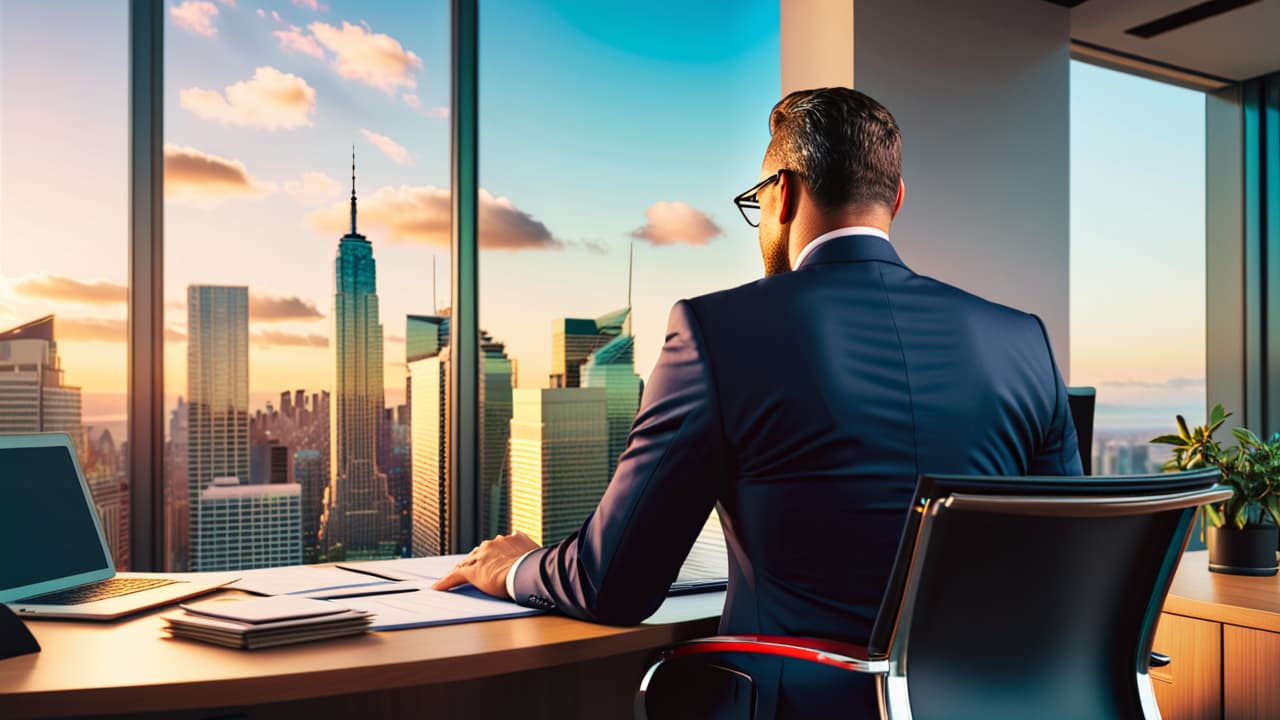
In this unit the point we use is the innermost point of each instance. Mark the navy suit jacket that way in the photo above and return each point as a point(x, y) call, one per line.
point(804, 406)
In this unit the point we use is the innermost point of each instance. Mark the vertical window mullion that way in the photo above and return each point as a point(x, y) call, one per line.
point(464, 428)
point(146, 284)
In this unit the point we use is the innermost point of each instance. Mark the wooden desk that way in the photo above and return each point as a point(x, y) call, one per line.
point(1223, 633)
point(539, 667)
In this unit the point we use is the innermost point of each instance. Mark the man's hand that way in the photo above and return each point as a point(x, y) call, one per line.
point(487, 566)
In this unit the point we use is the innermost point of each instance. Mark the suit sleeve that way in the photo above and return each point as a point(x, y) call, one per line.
point(1059, 452)
point(617, 567)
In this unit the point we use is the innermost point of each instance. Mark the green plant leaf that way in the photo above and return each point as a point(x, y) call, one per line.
point(1167, 440)
point(1183, 432)
point(1218, 414)
point(1213, 516)
point(1246, 437)
point(1240, 517)
point(1273, 507)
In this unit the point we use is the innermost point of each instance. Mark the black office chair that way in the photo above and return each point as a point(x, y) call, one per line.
point(1010, 598)
point(1083, 401)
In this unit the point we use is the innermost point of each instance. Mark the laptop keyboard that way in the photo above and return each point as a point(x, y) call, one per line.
point(101, 590)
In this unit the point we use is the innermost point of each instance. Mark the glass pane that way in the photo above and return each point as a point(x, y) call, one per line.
point(1137, 261)
point(608, 170)
point(307, 211)
point(64, 224)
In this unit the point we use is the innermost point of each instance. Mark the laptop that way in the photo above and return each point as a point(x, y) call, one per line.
point(54, 560)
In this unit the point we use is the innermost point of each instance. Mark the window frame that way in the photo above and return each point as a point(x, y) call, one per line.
point(145, 389)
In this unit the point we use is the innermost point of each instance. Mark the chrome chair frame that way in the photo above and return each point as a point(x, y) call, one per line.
point(890, 669)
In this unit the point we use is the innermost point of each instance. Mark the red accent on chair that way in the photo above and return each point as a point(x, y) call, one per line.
point(811, 649)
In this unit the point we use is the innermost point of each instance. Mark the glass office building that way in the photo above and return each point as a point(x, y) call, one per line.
point(559, 459)
point(612, 367)
point(217, 397)
point(359, 515)
point(249, 526)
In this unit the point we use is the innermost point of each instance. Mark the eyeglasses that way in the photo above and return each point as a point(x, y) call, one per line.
point(749, 202)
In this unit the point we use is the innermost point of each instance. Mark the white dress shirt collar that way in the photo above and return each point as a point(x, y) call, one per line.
point(838, 232)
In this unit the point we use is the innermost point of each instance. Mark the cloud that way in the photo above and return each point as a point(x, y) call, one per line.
point(314, 188)
point(273, 338)
point(228, 3)
point(422, 214)
point(279, 308)
point(311, 4)
point(105, 330)
point(1181, 383)
point(596, 247)
point(295, 40)
point(262, 13)
point(195, 16)
point(415, 103)
point(368, 57)
point(392, 149)
point(396, 339)
point(676, 223)
point(276, 16)
point(204, 180)
point(63, 289)
point(269, 100)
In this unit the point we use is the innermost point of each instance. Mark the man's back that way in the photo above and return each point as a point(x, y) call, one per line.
point(838, 385)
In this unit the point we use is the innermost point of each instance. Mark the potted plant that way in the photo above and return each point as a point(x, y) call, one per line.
point(1242, 531)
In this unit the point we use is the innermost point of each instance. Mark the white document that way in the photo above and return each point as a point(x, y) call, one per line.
point(423, 568)
point(299, 579)
point(426, 607)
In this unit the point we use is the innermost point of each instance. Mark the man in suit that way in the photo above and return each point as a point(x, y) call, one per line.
point(803, 407)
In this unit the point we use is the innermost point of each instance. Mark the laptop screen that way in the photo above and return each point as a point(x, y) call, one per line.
point(47, 529)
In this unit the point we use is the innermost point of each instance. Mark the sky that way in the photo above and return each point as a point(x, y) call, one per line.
point(602, 125)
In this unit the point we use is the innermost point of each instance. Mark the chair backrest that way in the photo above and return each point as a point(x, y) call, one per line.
point(1082, 401)
point(1035, 597)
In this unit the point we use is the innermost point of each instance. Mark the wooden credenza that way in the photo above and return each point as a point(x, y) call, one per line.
point(1223, 633)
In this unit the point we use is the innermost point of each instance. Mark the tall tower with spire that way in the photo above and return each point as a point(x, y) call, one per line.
point(359, 518)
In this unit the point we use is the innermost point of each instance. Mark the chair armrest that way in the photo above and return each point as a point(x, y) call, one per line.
point(1159, 660)
point(826, 652)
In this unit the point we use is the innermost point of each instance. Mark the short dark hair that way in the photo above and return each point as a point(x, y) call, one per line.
point(847, 146)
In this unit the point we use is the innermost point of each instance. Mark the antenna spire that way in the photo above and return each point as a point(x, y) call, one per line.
point(353, 189)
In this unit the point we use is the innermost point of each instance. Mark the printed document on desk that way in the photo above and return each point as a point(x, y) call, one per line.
point(426, 607)
point(419, 568)
point(299, 579)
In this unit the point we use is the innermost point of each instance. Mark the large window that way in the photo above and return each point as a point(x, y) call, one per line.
point(64, 237)
point(612, 138)
point(297, 284)
point(1137, 260)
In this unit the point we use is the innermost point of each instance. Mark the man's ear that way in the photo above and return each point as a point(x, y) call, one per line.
point(788, 196)
point(902, 193)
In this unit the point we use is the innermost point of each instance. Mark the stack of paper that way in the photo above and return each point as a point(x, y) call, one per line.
point(261, 622)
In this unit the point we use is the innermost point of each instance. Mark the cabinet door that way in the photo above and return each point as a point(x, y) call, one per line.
point(1251, 673)
point(1190, 687)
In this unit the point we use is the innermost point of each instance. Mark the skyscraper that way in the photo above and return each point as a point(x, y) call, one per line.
point(612, 367)
point(429, 411)
point(33, 394)
point(310, 470)
point(574, 339)
point(359, 516)
point(496, 373)
point(217, 396)
point(559, 460)
point(249, 526)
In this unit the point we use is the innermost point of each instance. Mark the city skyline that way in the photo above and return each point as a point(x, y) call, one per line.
point(284, 210)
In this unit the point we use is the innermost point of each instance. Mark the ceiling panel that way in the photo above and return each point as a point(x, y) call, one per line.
point(1237, 45)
